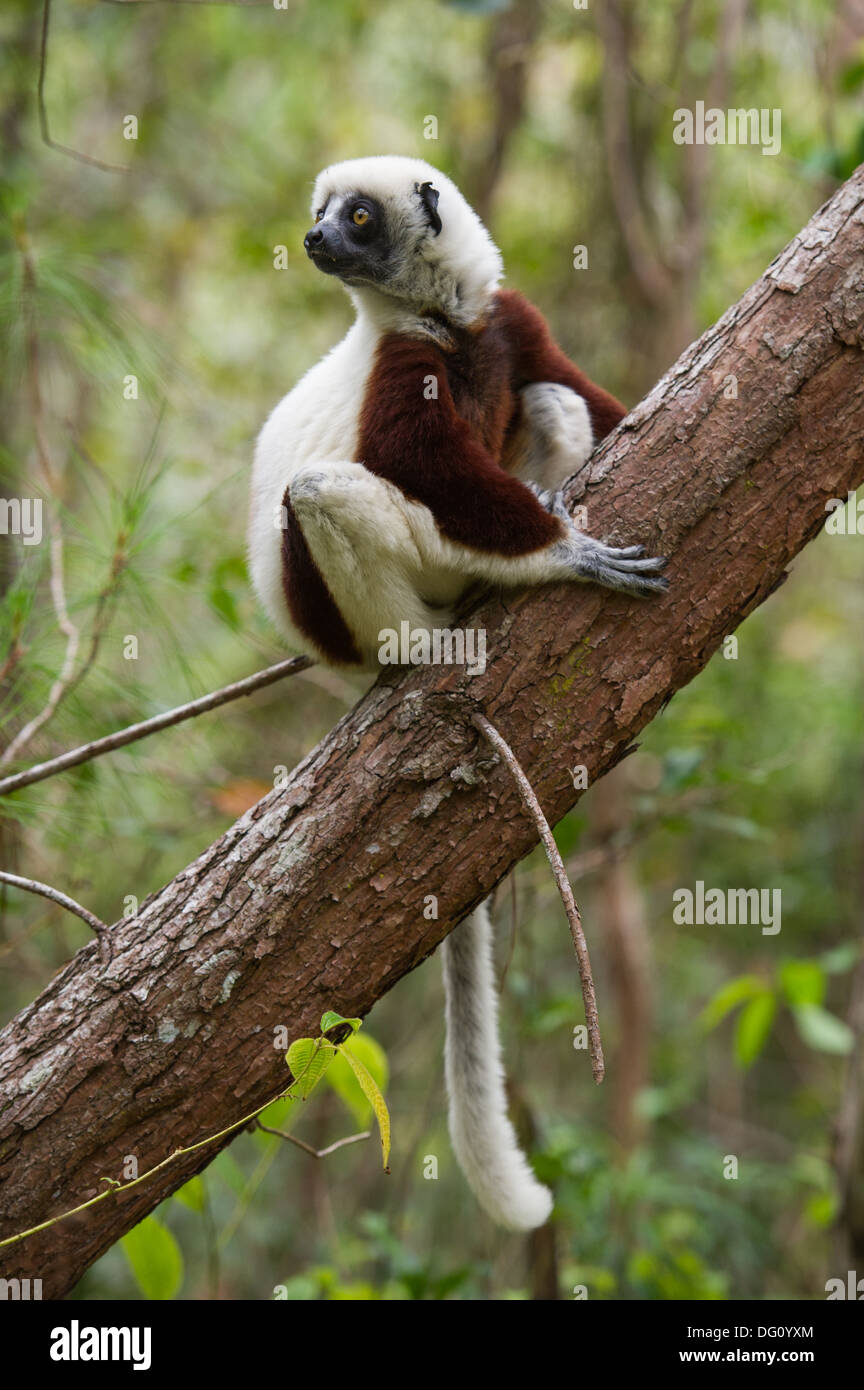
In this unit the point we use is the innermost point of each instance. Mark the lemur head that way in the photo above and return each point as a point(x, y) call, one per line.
point(394, 229)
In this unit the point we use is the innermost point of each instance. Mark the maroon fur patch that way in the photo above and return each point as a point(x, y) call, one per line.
point(311, 605)
point(442, 457)
point(445, 451)
point(535, 356)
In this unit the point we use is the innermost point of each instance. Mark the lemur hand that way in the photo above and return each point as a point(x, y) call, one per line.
point(551, 501)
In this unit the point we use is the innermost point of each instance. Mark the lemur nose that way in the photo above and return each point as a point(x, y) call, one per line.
point(313, 237)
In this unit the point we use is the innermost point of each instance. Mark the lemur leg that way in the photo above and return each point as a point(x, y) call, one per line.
point(386, 562)
point(554, 437)
point(577, 557)
point(364, 538)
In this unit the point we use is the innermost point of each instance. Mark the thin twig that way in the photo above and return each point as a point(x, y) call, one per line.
point(16, 652)
point(307, 1148)
point(532, 805)
point(101, 615)
point(114, 1186)
point(32, 885)
point(43, 113)
point(64, 677)
point(133, 732)
point(52, 484)
point(67, 679)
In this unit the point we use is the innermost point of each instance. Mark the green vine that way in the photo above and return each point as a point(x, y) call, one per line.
point(308, 1059)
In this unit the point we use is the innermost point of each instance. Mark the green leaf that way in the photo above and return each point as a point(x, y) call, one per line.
point(821, 1209)
point(803, 981)
point(308, 1059)
point(192, 1194)
point(376, 1100)
point(341, 1076)
point(753, 1028)
point(732, 994)
point(225, 604)
point(852, 76)
point(155, 1259)
point(822, 1030)
point(338, 1029)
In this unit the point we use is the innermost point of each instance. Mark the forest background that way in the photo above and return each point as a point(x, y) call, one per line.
point(557, 123)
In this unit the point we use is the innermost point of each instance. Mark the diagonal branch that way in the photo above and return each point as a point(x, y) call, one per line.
point(317, 899)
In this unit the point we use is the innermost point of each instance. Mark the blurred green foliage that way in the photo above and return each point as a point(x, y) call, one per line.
point(752, 776)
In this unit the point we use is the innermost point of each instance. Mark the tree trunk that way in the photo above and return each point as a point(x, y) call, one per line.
point(315, 899)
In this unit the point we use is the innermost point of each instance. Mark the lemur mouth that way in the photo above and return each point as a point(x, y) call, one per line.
point(324, 260)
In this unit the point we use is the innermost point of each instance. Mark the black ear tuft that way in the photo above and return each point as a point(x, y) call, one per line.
point(429, 199)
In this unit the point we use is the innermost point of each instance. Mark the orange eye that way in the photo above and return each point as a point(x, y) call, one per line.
point(319, 215)
point(359, 216)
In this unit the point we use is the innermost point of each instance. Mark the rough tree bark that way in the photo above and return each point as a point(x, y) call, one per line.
point(314, 899)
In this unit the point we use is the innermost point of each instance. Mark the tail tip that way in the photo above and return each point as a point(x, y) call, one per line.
point(524, 1210)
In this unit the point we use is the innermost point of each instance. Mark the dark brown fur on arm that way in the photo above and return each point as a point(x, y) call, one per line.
point(535, 356)
point(435, 456)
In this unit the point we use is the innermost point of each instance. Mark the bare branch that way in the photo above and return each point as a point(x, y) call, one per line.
point(95, 749)
point(532, 806)
point(43, 113)
point(32, 885)
point(307, 1148)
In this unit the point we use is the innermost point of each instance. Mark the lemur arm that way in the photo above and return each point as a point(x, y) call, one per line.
point(537, 357)
point(412, 436)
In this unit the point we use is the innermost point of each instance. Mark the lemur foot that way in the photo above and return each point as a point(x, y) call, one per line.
point(626, 568)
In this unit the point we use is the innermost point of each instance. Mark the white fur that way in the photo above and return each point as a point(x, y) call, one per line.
point(481, 1133)
point(314, 425)
point(556, 436)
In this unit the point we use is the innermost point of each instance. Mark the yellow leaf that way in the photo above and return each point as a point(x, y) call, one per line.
point(375, 1099)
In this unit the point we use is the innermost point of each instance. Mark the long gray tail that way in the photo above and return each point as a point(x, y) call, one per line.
point(483, 1138)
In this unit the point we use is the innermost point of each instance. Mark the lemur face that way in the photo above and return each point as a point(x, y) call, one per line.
point(396, 231)
point(354, 239)
point(350, 239)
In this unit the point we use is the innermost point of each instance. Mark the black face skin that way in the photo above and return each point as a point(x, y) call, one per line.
point(353, 244)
